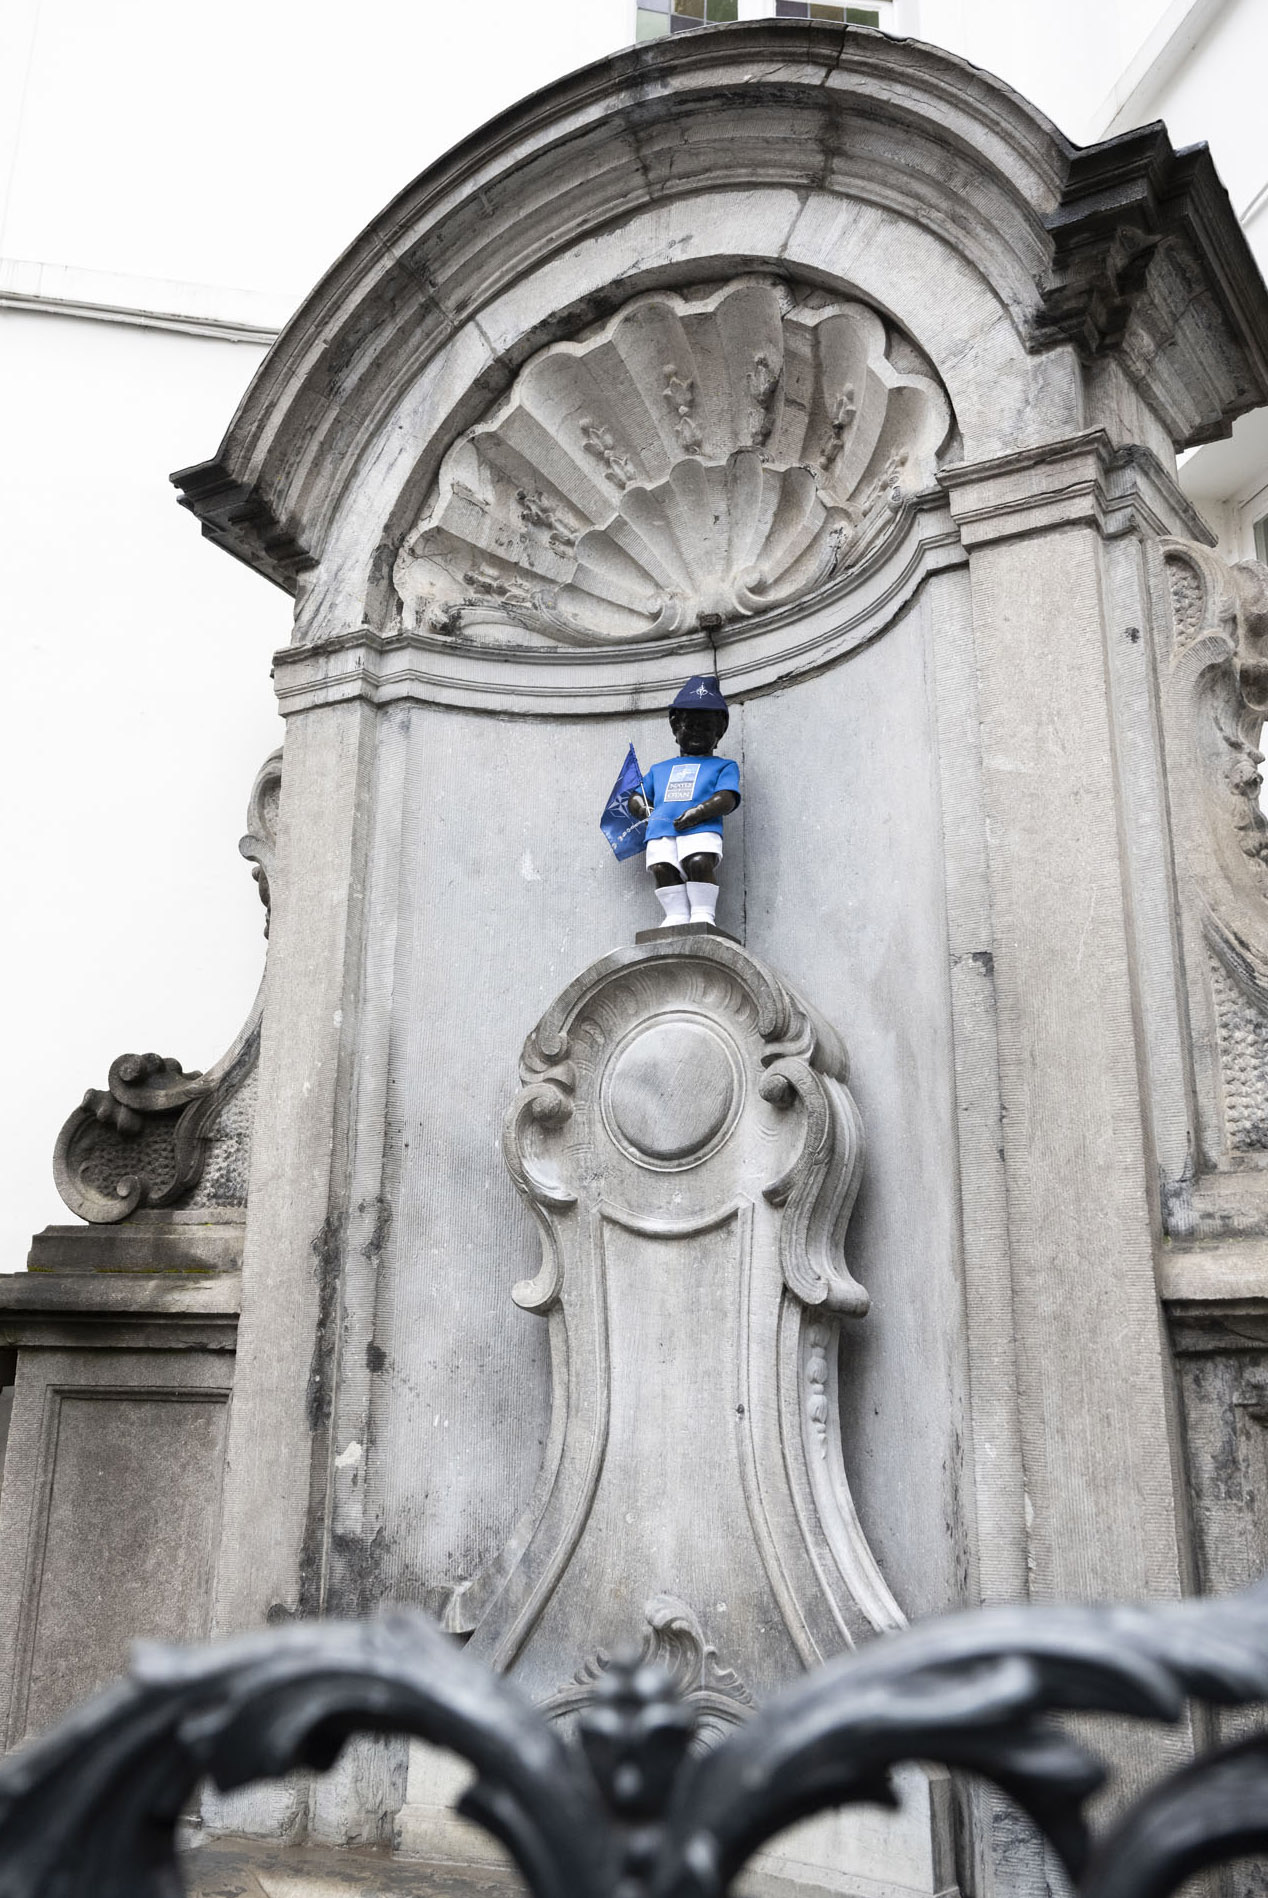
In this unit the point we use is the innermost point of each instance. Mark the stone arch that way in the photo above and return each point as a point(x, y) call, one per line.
point(882, 172)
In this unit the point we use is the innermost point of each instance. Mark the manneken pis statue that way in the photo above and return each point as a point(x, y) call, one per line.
point(685, 800)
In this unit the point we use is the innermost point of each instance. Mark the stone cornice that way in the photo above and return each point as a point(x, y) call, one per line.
point(235, 516)
point(1126, 252)
point(1123, 203)
point(120, 1309)
point(1084, 478)
point(566, 164)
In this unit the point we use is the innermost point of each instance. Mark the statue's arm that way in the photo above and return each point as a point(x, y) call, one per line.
point(719, 805)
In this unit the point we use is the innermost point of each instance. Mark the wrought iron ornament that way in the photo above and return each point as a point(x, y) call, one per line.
point(627, 1808)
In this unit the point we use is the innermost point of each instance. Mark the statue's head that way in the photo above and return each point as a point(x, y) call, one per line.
point(698, 716)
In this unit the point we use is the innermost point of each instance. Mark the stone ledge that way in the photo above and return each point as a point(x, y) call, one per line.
point(176, 1244)
point(120, 1310)
point(228, 1867)
point(1216, 1296)
point(1231, 1270)
point(676, 932)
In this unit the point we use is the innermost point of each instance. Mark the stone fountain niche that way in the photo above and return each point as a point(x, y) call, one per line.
point(702, 458)
point(806, 357)
point(705, 464)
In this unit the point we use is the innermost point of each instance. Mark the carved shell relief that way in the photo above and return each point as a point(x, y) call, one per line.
point(698, 458)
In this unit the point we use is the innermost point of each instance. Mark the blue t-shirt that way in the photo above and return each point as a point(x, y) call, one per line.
point(674, 785)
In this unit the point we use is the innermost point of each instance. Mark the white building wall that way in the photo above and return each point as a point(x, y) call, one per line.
point(1215, 92)
point(157, 158)
point(138, 707)
point(221, 168)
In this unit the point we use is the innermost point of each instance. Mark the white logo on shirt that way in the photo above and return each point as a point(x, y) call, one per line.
point(681, 785)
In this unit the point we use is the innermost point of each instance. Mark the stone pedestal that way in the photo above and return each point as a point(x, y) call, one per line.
point(687, 1142)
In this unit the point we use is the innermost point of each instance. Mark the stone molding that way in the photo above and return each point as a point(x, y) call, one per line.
point(687, 1081)
point(143, 1140)
point(1123, 250)
point(118, 1311)
point(234, 515)
point(1083, 478)
point(170, 1240)
point(1225, 1274)
point(753, 655)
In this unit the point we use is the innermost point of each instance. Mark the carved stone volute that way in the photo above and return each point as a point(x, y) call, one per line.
point(142, 1140)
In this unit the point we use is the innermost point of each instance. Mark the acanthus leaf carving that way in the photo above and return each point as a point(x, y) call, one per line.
point(1216, 703)
point(699, 458)
point(674, 1642)
point(1220, 666)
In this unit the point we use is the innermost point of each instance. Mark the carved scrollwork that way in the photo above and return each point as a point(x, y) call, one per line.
point(686, 1142)
point(674, 1642)
point(1217, 702)
point(260, 843)
point(819, 1189)
point(137, 1142)
point(699, 458)
point(143, 1139)
point(1220, 617)
point(546, 1102)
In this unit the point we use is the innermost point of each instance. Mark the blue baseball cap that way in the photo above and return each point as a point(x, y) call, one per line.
point(702, 693)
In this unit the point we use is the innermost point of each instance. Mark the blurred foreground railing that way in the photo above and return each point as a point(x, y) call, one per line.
point(627, 1808)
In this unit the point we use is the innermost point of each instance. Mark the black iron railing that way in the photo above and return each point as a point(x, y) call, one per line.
point(626, 1808)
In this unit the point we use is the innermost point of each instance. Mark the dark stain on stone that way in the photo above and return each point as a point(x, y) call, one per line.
point(1225, 1458)
point(355, 1581)
point(327, 1247)
point(375, 1357)
point(373, 1248)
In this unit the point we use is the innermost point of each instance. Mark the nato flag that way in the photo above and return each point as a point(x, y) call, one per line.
point(626, 834)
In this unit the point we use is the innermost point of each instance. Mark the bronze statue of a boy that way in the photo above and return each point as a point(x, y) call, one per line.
point(685, 800)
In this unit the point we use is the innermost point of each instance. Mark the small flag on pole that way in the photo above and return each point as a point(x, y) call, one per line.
point(626, 834)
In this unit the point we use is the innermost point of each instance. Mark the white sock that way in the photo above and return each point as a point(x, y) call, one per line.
point(703, 898)
point(673, 900)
